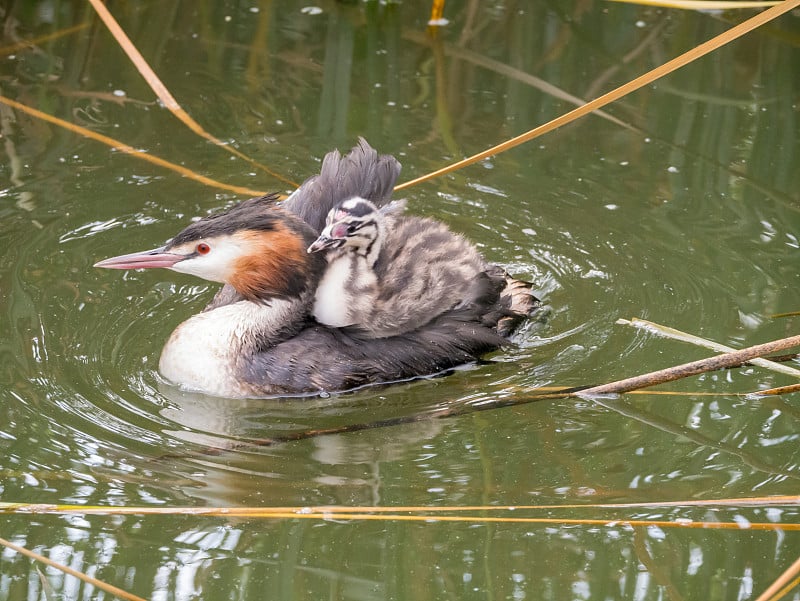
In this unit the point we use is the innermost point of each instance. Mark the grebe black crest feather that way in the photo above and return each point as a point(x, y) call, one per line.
point(251, 214)
point(362, 172)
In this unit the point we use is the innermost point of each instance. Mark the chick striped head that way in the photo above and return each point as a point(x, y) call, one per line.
point(354, 225)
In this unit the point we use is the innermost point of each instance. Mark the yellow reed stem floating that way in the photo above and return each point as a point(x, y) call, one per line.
point(16, 47)
point(641, 81)
point(72, 572)
point(780, 390)
point(674, 334)
point(779, 588)
point(701, 4)
point(437, 13)
point(789, 314)
point(477, 519)
point(467, 519)
point(164, 94)
point(122, 147)
point(785, 590)
point(421, 509)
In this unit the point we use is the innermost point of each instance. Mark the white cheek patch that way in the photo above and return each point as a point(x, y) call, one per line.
point(217, 265)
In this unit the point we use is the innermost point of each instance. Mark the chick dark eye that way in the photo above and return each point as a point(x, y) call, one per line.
point(203, 248)
point(351, 228)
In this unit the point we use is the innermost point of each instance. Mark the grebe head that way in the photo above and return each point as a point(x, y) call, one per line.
point(356, 224)
point(255, 247)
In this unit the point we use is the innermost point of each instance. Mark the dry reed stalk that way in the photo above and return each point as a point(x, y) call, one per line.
point(508, 71)
point(437, 13)
point(122, 147)
point(633, 85)
point(371, 515)
point(776, 391)
point(118, 592)
point(674, 334)
point(617, 387)
point(37, 508)
point(22, 44)
point(779, 588)
point(702, 4)
point(691, 369)
point(164, 94)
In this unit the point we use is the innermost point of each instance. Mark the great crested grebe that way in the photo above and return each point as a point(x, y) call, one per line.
point(258, 337)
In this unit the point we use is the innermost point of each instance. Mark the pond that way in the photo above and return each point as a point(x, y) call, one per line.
point(680, 204)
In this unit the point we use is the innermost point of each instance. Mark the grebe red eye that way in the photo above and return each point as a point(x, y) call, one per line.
point(203, 249)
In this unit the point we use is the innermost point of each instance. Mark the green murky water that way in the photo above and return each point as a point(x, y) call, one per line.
point(687, 213)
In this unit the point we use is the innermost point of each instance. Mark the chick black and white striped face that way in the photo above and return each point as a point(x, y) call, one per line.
point(353, 223)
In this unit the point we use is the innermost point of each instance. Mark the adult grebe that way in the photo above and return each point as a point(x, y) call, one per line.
point(257, 336)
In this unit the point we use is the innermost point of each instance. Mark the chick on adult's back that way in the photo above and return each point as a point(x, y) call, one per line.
point(389, 274)
point(355, 231)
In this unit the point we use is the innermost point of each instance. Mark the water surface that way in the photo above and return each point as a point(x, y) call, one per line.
point(686, 214)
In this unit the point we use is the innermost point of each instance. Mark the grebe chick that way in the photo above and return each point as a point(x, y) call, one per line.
point(354, 233)
point(389, 273)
